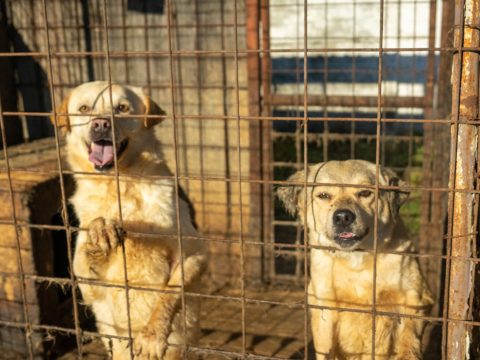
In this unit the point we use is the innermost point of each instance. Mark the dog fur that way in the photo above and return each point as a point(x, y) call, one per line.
point(342, 274)
point(147, 206)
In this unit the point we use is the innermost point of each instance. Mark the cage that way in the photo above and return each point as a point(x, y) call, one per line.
point(254, 90)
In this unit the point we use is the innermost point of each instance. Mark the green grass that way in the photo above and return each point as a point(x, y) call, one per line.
point(410, 212)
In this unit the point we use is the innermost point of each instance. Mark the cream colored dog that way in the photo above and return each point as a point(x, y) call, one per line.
point(341, 218)
point(147, 206)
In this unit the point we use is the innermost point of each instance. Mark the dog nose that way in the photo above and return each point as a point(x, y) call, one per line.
point(101, 125)
point(343, 217)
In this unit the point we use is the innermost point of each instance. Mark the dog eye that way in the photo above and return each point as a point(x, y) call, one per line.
point(324, 196)
point(84, 108)
point(364, 193)
point(123, 108)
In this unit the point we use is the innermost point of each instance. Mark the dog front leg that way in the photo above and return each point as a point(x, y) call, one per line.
point(95, 246)
point(151, 343)
point(323, 334)
point(322, 322)
point(408, 346)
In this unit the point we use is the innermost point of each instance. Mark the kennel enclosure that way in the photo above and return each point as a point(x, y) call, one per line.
point(254, 90)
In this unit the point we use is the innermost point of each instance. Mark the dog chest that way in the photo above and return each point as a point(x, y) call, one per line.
point(348, 280)
point(140, 201)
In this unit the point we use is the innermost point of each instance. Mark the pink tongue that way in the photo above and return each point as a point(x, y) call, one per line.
point(347, 235)
point(102, 153)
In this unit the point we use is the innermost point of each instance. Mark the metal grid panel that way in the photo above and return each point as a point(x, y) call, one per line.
point(342, 87)
point(110, 46)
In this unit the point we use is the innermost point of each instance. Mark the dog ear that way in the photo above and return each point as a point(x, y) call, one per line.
point(396, 197)
point(152, 108)
point(289, 194)
point(63, 121)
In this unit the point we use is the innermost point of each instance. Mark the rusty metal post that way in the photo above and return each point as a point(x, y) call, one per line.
point(267, 144)
point(253, 59)
point(436, 140)
point(253, 66)
point(428, 141)
point(465, 107)
point(257, 225)
point(260, 130)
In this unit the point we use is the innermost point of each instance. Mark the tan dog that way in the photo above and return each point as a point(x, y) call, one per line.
point(147, 206)
point(342, 219)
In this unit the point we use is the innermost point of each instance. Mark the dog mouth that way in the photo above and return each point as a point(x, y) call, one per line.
point(347, 239)
point(101, 153)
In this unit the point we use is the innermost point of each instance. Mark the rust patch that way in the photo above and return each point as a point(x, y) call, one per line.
point(470, 101)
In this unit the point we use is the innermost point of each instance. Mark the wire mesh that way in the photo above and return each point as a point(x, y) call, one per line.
point(256, 91)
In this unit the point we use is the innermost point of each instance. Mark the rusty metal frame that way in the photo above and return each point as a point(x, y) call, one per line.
point(463, 175)
point(463, 189)
point(257, 225)
point(390, 101)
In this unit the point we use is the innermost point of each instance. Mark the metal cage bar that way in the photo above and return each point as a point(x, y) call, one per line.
point(305, 107)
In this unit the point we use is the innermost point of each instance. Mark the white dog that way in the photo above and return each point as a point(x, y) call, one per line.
point(342, 218)
point(147, 206)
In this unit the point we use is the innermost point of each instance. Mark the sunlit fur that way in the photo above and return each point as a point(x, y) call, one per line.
point(343, 278)
point(147, 206)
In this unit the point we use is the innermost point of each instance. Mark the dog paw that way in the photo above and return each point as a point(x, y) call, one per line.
point(407, 357)
point(103, 236)
point(325, 355)
point(149, 344)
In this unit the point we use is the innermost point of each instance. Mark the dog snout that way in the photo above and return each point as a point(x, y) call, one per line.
point(343, 217)
point(100, 129)
point(101, 124)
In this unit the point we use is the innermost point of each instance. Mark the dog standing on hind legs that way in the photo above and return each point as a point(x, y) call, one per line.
point(149, 231)
point(340, 218)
